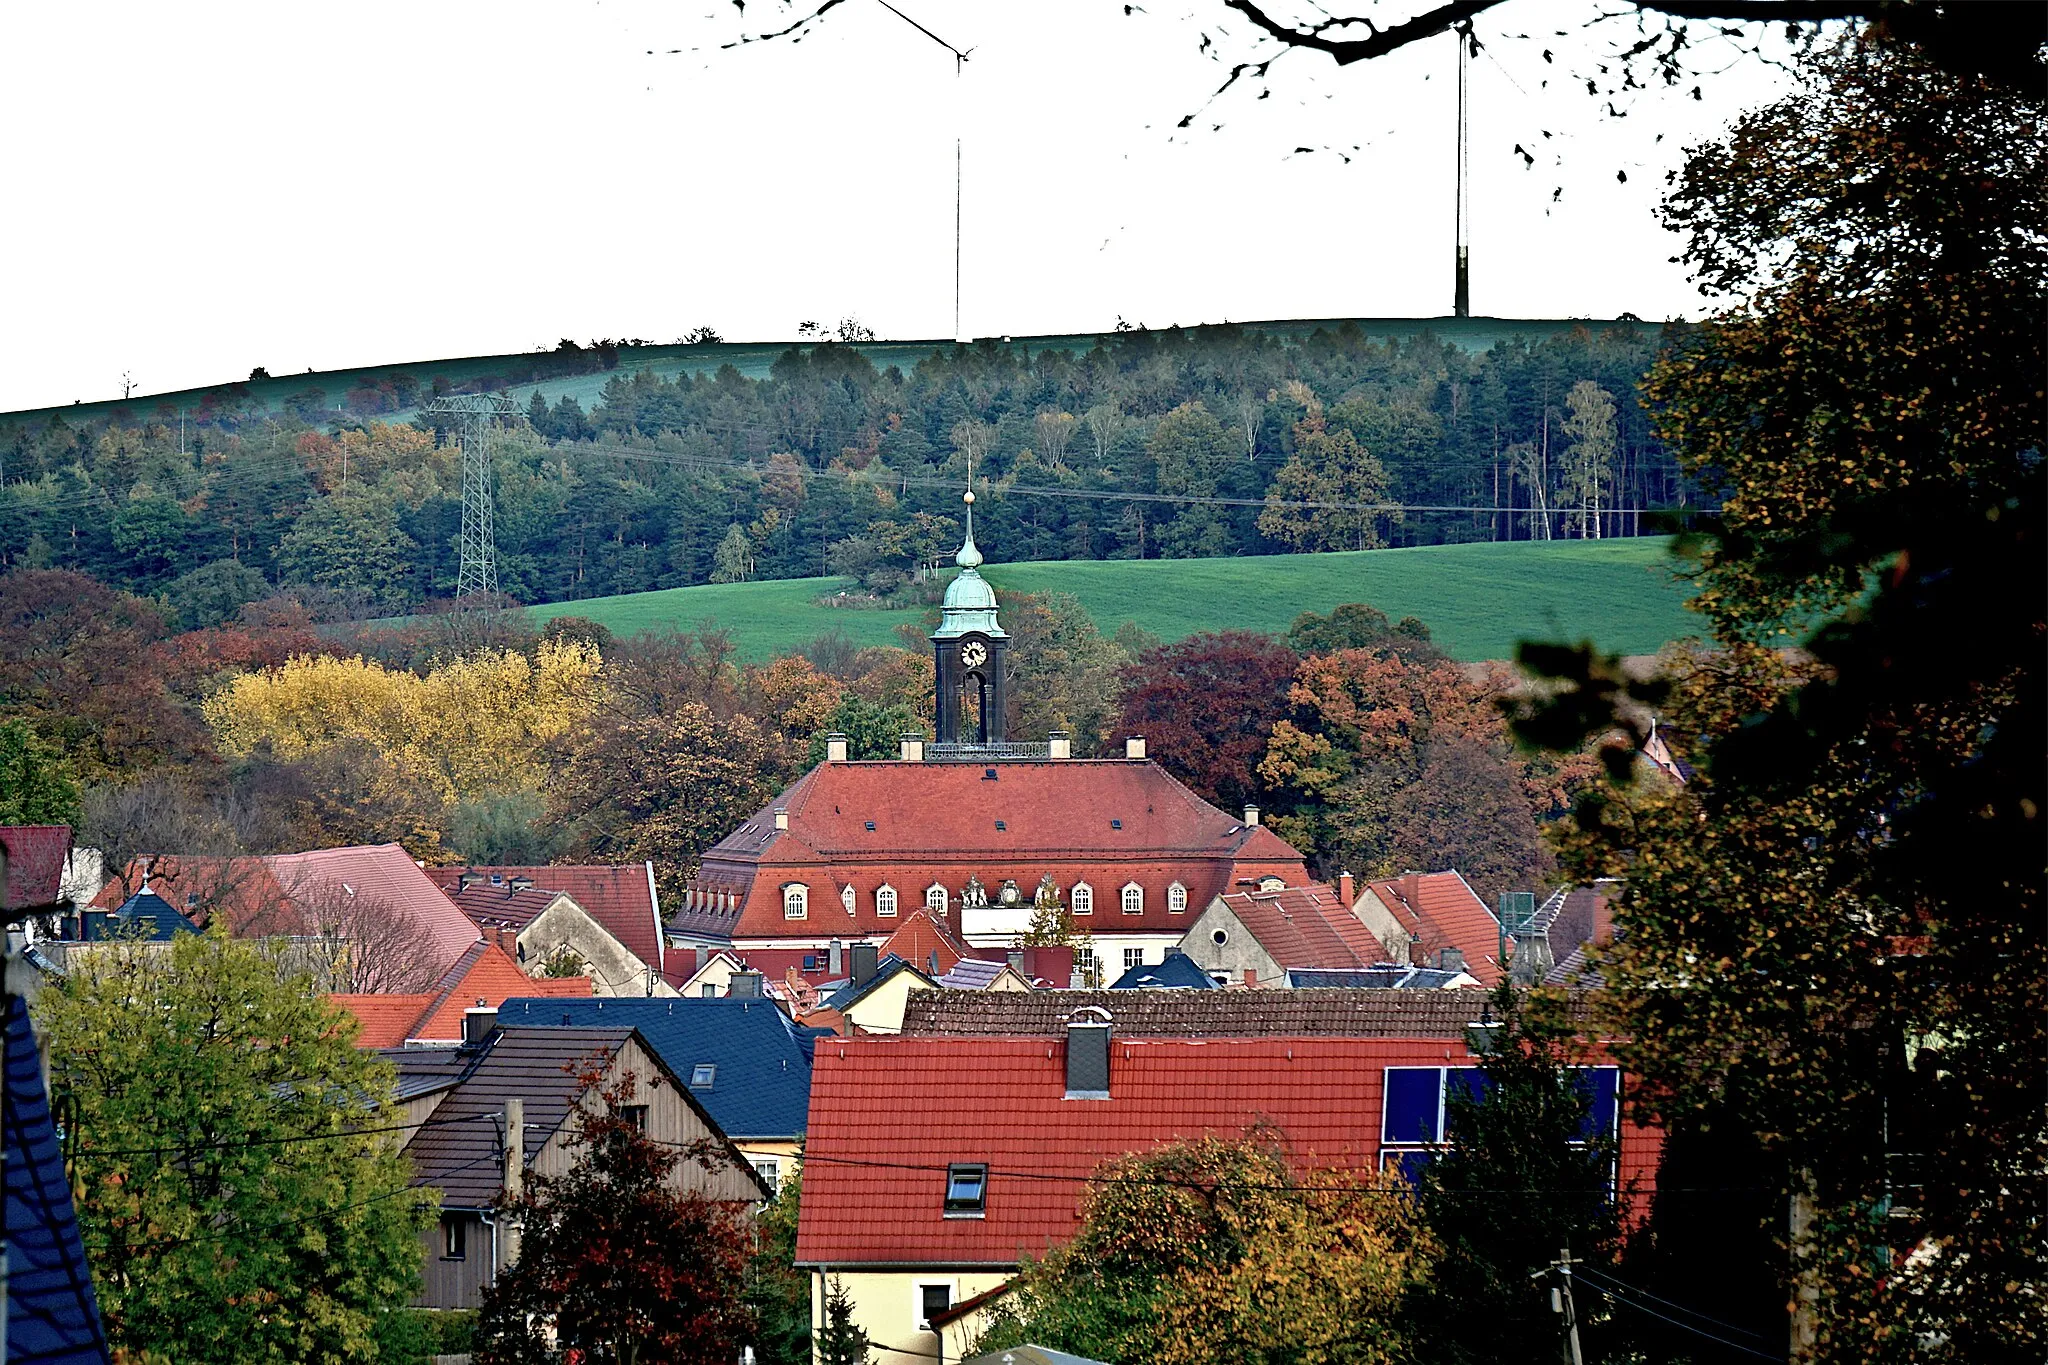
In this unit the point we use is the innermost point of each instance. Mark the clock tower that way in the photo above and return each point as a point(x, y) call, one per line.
point(967, 653)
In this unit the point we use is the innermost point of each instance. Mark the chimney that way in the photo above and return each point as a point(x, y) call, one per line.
point(863, 963)
point(466, 880)
point(835, 959)
point(703, 956)
point(835, 748)
point(1451, 960)
point(1347, 890)
point(912, 750)
point(1251, 814)
point(1060, 744)
point(1134, 747)
point(1088, 1054)
point(1015, 957)
point(781, 818)
point(744, 986)
point(507, 942)
point(479, 1022)
point(519, 883)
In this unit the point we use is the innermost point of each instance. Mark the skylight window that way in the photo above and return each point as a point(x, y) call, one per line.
point(1116, 824)
point(1001, 825)
point(871, 826)
point(702, 1075)
point(966, 1190)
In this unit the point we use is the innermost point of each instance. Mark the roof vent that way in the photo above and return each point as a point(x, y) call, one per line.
point(520, 883)
point(835, 748)
point(1134, 746)
point(745, 986)
point(781, 818)
point(1088, 1053)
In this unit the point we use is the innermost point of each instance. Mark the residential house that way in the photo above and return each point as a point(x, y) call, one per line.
point(1255, 938)
point(1385, 977)
point(935, 1164)
point(1435, 919)
point(1570, 921)
point(33, 859)
point(549, 931)
point(484, 977)
point(1178, 972)
point(872, 999)
point(459, 1097)
point(621, 898)
point(984, 974)
point(742, 1059)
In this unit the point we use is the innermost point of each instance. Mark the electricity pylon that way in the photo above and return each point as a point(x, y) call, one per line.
point(474, 413)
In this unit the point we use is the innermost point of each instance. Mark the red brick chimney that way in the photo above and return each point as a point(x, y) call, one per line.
point(1346, 891)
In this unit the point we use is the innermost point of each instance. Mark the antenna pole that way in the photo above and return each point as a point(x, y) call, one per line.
point(1461, 301)
point(957, 334)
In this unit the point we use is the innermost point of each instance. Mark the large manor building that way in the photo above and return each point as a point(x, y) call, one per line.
point(982, 831)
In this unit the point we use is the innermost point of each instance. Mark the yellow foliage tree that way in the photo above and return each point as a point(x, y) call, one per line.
point(472, 727)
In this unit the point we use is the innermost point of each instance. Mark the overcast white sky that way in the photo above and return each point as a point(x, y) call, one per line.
point(198, 189)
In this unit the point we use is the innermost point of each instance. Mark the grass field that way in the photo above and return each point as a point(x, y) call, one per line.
point(1478, 600)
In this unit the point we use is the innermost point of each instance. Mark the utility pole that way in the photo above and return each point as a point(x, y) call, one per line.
point(1561, 1304)
point(515, 1179)
point(1461, 298)
point(474, 413)
point(959, 156)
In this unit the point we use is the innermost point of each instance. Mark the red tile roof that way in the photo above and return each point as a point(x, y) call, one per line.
point(484, 975)
point(35, 863)
point(921, 936)
point(1306, 926)
point(621, 898)
point(491, 907)
point(1104, 821)
point(1442, 911)
point(888, 1115)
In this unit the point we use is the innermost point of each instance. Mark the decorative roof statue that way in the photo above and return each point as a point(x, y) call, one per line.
point(972, 896)
point(1010, 895)
point(1047, 897)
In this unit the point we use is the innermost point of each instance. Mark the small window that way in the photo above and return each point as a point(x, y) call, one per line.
point(1001, 825)
point(846, 897)
point(935, 898)
point(497, 879)
point(1116, 824)
point(635, 1114)
point(1084, 958)
point(1133, 957)
point(988, 774)
point(1082, 899)
point(966, 1190)
point(932, 1300)
point(796, 901)
point(810, 962)
point(871, 826)
point(454, 1238)
point(702, 1075)
point(769, 1168)
point(1134, 899)
point(1219, 936)
point(708, 990)
point(885, 902)
point(1176, 898)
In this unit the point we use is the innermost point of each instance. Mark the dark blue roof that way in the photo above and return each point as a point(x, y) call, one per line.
point(52, 1314)
point(1177, 973)
point(1382, 978)
point(850, 994)
point(156, 918)
point(762, 1085)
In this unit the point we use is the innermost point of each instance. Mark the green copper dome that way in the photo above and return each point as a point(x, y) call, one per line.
point(970, 603)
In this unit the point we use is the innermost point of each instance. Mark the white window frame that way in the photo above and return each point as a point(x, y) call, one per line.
point(769, 1168)
point(1129, 962)
point(1084, 957)
point(885, 901)
point(1131, 891)
point(796, 900)
point(936, 897)
point(917, 1288)
point(1177, 899)
point(846, 897)
point(1081, 900)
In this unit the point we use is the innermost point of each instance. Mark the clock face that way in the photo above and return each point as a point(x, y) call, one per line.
point(974, 654)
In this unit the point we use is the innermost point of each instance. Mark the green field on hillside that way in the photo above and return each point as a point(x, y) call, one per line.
point(1478, 600)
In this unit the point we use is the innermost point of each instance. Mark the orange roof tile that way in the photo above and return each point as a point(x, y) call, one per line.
point(1306, 927)
point(1442, 911)
point(386, 1020)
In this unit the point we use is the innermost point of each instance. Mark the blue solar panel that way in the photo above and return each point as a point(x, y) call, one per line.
point(1413, 1097)
point(1601, 1085)
point(1409, 1163)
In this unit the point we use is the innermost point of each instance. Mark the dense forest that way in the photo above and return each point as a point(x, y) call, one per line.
point(1209, 441)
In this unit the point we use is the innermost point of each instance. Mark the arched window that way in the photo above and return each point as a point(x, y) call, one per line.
point(1081, 900)
point(1176, 898)
point(846, 897)
point(935, 898)
point(885, 902)
point(796, 900)
point(1134, 899)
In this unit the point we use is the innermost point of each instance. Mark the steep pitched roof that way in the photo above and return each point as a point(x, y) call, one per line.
point(922, 935)
point(761, 1087)
point(849, 995)
point(52, 1313)
point(384, 1021)
point(972, 974)
point(35, 863)
point(149, 916)
point(502, 907)
point(1178, 972)
point(619, 897)
point(1306, 926)
point(484, 975)
point(1441, 910)
point(1381, 978)
point(1356, 1013)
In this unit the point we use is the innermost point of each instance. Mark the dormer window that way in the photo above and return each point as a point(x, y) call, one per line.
point(1176, 898)
point(846, 897)
point(1270, 883)
point(796, 901)
point(1082, 899)
point(1133, 899)
point(885, 902)
point(935, 898)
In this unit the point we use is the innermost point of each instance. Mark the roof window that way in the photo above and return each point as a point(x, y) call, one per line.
point(871, 826)
point(1116, 824)
point(988, 774)
point(1001, 825)
point(967, 1190)
point(702, 1075)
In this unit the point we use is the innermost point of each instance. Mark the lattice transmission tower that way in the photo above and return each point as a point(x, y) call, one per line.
point(474, 414)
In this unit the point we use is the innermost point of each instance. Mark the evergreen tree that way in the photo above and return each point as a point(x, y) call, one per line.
point(841, 1340)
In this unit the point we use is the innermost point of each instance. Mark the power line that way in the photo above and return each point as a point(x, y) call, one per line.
point(1620, 1285)
point(1685, 1326)
point(177, 1149)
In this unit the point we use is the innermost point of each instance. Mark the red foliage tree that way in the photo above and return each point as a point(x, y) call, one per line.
point(616, 1262)
point(1206, 706)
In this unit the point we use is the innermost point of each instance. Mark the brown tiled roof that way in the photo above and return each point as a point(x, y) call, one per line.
point(35, 863)
point(619, 897)
point(494, 906)
point(1306, 926)
point(1442, 911)
point(1336, 1012)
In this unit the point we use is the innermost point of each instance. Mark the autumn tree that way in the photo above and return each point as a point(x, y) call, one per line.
point(230, 1210)
point(1360, 625)
point(615, 1262)
point(1225, 1244)
point(1191, 453)
point(1850, 886)
point(1207, 706)
point(1589, 459)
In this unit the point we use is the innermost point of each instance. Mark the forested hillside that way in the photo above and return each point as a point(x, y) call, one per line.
point(1213, 441)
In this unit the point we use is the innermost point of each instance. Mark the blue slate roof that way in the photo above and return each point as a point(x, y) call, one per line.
point(761, 1085)
point(850, 994)
point(52, 1314)
point(148, 916)
point(1380, 978)
point(1177, 973)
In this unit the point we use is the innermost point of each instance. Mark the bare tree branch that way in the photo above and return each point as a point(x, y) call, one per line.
point(1442, 19)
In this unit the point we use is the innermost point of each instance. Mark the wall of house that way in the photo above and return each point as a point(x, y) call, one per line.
point(1374, 914)
point(886, 1304)
point(881, 1010)
point(449, 1282)
point(779, 1155)
point(1237, 954)
point(612, 968)
point(1110, 949)
point(716, 973)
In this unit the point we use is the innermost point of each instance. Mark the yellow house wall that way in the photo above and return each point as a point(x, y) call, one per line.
point(881, 1010)
point(885, 1306)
